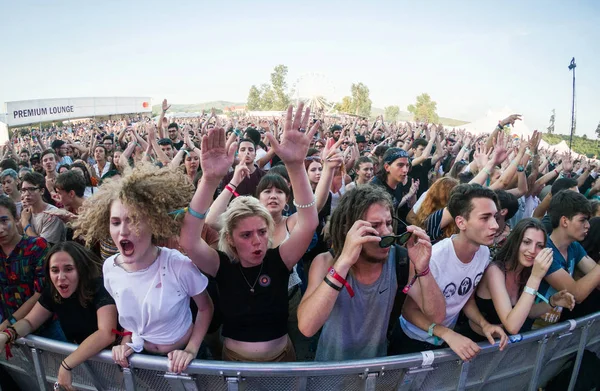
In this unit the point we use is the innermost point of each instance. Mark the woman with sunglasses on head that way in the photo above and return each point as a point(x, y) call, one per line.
point(76, 294)
point(507, 293)
point(151, 285)
point(252, 277)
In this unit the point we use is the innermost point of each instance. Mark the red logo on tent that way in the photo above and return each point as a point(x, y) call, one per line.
point(145, 105)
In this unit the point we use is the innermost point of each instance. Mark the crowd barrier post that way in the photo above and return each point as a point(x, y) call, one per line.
point(129, 379)
point(580, 350)
point(537, 368)
point(40, 374)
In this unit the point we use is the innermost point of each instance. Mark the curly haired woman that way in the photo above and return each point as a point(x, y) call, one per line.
point(151, 285)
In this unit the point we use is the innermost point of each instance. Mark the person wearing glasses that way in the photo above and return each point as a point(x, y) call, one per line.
point(351, 294)
point(33, 219)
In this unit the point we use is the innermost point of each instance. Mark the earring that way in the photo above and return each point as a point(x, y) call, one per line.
point(286, 208)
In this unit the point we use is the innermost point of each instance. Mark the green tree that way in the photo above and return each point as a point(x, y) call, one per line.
point(391, 113)
point(254, 101)
point(361, 103)
point(598, 131)
point(267, 97)
point(424, 110)
point(281, 99)
point(345, 106)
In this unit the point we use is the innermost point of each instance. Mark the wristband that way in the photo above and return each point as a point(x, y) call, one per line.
point(197, 215)
point(331, 284)
point(12, 320)
point(26, 228)
point(520, 168)
point(235, 194)
point(430, 332)
point(533, 292)
point(414, 279)
point(341, 280)
point(487, 171)
point(65, 366)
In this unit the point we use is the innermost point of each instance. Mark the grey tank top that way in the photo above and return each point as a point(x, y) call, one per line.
point(357, 327)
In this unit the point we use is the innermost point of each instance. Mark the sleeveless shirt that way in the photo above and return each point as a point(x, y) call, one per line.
point(357, 327)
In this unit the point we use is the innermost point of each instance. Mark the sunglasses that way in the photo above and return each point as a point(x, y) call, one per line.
point(389, 240)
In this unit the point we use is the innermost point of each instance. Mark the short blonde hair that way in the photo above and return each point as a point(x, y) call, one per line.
point(150, 193)
point(241, 208)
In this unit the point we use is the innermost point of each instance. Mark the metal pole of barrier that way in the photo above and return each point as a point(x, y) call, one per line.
point(94, 376)
point(537, 368)
point(371, 381)
point(39, 369)
point(580, 350)
point(129, 380)
point(492, 366)
point(464, 372)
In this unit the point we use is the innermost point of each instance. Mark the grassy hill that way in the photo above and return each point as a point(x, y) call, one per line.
point(582, 145)
point(197, 107)
point(406, 116)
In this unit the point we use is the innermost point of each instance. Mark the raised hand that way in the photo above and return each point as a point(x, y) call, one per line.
point(295, 139)
point(567, 163)
point(481, 156)
point(359, 234)
point(240, 173)
point(165, 106)
point(217, 153)
point(500, 153)
point(510, 120)
point(419, 248)
point(542, 263)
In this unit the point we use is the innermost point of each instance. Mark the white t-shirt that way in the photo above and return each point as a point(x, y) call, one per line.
point(419, 202)
point(154, 303)
point(456, 280)
point(259, 154)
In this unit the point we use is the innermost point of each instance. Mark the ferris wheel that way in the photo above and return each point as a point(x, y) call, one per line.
point(316, 90)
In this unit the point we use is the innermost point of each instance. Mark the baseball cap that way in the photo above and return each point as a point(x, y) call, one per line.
point(57, 144)
point(35, 156)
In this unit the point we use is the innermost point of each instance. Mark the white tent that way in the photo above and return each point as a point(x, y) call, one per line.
point(3, 133)
point(489, 122)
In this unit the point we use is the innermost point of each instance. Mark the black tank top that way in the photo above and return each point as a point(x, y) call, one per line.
point(487, 309)
point(259, 316)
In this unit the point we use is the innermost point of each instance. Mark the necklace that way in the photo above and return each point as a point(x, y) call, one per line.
point(257, 277)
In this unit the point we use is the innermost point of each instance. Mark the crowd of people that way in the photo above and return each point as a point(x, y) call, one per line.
point(295, 238)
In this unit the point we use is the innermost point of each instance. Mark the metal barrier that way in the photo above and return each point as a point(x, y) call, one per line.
point(526, 364)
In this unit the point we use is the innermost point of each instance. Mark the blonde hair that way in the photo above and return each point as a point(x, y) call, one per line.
point(241, 208)
point(150, 193)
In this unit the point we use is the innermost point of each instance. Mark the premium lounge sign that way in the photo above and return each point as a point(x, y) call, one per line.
point(27, 112)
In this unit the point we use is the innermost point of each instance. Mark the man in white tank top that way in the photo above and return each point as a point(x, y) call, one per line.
point(457, 264)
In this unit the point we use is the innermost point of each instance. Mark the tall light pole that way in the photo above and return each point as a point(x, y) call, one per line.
point(572, 66)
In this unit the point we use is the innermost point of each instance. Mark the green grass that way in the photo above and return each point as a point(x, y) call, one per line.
point(581, 145)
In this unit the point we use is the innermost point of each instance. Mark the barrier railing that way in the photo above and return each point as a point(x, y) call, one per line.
point(528, 362)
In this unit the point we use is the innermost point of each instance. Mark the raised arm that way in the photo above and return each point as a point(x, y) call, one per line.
point(219, 206)
point(426, 293)
point(292, 149)
point(217, 156)
point(427, 151)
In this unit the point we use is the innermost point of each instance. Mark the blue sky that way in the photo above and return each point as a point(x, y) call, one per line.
point(469, 56)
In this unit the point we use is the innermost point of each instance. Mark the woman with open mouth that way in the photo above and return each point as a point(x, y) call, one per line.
point(151, 285)
point(251, 275)
point(86, 312)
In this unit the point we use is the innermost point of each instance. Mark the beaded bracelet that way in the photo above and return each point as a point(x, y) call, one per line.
point(314, 201)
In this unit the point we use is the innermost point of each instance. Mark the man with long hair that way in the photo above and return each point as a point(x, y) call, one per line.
point(351, 294)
